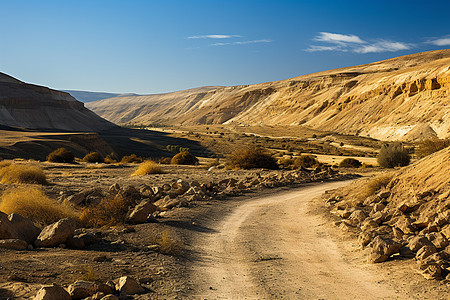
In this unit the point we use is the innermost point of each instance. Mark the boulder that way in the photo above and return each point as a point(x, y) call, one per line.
point(404, 224)
point(424, 252)
point(24, 228)
point(81, 289)
point(418, 241)
point(7, 230)
point(139, 214)
point(110, 297)
point(56, 233)
point(129, 286)
point(438, 239)
point(357, 217)
point(432, 272)
point(382, 249)
point(53, 292)
point(14, 244)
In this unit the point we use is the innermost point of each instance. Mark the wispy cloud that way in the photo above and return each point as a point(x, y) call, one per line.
point(338, 38)
point(214, 36)
point(353, 43)
point(443, 41)
point(242, 42)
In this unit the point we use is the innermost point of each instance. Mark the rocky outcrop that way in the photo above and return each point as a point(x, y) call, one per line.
point(401, 98)
point(37, 107)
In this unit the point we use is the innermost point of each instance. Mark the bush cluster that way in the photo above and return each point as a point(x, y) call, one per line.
point(93, 157)
point(393, 155)
point(133, 158)
point(350, 163)
point(306, 161)
point(250, 158)
point(61, 155)
point(430, 146)
point(184, 158)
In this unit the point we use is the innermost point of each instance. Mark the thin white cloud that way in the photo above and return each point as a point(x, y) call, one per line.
point(214, 36)
point(443, 41)
point(382, 46)
point(353, 43)
point(242, 42)
point(338, 38)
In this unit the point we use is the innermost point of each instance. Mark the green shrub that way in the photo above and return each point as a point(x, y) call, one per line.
point(306, 161)
point(61, 155)
point(184, 158)
point(393, 155)
point(430, 146)
point(350, 163)
point(93, 157)
point(252, 157)
point(133, 158)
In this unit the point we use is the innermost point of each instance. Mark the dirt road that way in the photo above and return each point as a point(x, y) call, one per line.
point(277, 247)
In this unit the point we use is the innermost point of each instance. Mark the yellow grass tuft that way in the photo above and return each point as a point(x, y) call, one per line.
point(148, 167)
point(170, 245)
point(374, 185)
point(32, 203)
point(15, 173)
point(109, 212)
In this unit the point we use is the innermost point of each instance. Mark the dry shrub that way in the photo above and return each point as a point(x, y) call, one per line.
point(61, 155)
point(148, 167)
point(110, 159)
point(350, 163)
point(252, 157)
point(14, 173)
point(184, 158)
point(86, 272)
point(393, 155)
point(32, 203)
point(165, 160)
point(133, 158)
point(306, 161)
point(93, 157)
point(213, 163)
point(374, 185)
point(430, 146)
point(170, 245)
point(286, 162)
point(108, 212)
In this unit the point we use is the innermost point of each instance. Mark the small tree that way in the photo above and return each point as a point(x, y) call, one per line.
point(61, 155)
point(393, 155)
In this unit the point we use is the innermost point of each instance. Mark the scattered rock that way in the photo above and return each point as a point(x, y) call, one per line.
point(110, 297)
point(139, 214)
point(53, 292)
point(417, 242)
point(13, 244)
point(129, 286)
point(56, 233)
point(382, 249)
point(438, 239)
point(81, 289)
point(424, 252)
point(24, 228)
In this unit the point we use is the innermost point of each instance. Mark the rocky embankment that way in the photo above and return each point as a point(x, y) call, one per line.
point(404, 214)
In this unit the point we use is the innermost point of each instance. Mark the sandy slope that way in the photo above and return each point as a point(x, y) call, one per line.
point(274, 247)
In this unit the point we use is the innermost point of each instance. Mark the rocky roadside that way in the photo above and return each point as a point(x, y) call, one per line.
point(147, 250)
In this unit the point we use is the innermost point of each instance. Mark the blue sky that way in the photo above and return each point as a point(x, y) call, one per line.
point(161, 46)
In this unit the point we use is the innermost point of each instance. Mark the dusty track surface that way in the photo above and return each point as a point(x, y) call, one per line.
point(277, 247)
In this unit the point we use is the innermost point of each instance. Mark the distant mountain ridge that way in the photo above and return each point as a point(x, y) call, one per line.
point(37, 107)
point(86, 96)
point(403, 98)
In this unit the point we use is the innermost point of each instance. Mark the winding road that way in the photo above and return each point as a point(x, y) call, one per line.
point(279, 247)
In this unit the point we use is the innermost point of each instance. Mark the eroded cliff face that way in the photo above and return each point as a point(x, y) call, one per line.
point(36, 107)
point(405, 98)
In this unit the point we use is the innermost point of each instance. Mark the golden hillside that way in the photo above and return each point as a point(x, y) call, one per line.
point(401, 98)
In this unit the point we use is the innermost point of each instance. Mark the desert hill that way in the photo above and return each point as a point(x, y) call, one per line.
point(85, 96)
point(404, 98)
point(37, 107)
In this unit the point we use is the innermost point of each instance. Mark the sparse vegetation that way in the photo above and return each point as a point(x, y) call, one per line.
point(350, 163)
point(109, 212)
point(93, 157)
point(148, 167)
point(286, 162)
point(252, 157)
point(61, 155)
point(306, 161)
point(170, 245)
point(32, 203)
point(184, 158)
point(393, 155)
point(133, 158)
point(110, 159)
point(374, 185)
point(14, 173)
point(430, 146)
point(165, 160)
